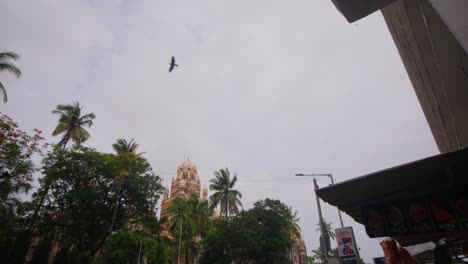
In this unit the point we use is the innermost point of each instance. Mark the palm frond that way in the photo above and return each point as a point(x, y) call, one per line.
point(61, 108)
point(8, 55)
point(122, 146)
point(5, 66)
point(90, 116)
point(237, 193)
point(57, 112)
point(233, 182)
point(79, 135)
point(3, 92)
point(87, 123)
point(61, 127)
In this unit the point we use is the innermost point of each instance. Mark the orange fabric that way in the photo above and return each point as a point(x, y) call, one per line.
point(406, 257)
point(391, 251)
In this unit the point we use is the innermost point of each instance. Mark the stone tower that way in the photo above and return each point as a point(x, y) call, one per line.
point(186, 183)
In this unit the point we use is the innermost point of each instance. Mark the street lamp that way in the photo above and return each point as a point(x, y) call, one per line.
point(319, 208)
point(316, 187)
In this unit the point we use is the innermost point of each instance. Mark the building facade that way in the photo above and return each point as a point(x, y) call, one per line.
point(186, 182)
point(298, 250)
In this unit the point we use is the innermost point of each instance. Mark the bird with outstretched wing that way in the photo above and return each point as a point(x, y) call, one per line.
point(172, 64)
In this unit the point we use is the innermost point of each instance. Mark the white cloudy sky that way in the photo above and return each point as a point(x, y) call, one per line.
point(266, 88)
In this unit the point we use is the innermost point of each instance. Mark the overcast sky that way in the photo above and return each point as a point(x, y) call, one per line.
point(265, 88)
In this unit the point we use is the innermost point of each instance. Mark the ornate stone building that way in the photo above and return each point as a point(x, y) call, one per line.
point(186, 183)
point(298, 250)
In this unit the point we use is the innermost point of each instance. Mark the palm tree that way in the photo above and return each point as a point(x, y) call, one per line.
point(180, 223)
point(6, 65)
point(200, 214)
point(194, 227)
point(225, 196)
point(71, 123)
point(328, 229)
point(292, 226)
point(126, 154)
point(292, 221)
point(122, 146)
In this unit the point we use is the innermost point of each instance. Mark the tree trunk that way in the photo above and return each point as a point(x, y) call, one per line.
point(227, 206)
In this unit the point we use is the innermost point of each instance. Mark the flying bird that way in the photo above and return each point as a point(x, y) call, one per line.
point(173, 64)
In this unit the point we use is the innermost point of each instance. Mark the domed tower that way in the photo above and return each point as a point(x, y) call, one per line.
point(186, 183)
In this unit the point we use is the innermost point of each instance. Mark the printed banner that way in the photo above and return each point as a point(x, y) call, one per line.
point(347, 248)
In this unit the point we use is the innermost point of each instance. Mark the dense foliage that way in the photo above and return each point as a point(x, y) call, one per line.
point(260, 235)
point(81, 192)
point(78, 195)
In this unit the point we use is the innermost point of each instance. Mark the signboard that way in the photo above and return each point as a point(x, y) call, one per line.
point(438, 214)
point(347, 248)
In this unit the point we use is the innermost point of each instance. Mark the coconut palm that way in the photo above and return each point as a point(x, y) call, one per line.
point(71, 123)
point(292, 221)
point(200, 213)
point(225, 196)
point(292, 225)
point(193, 217)
point(6, 65)
point(181, 222)
point(328, 229)
point(122, 146)
point(126, 153)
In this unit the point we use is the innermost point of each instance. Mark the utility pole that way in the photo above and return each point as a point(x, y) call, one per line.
point(332, 181)
point(322, 228)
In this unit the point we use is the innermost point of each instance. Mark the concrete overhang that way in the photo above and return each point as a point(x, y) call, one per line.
point(354, 10)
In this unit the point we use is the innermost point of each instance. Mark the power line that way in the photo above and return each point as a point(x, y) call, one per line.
point(271, 180)
point(266, 180)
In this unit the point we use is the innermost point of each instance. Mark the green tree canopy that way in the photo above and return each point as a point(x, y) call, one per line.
point(77, 194)
point(259, 235)
point(127, 245)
